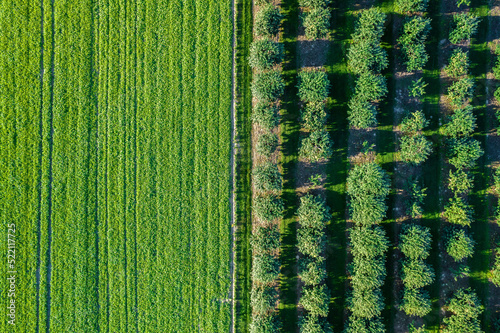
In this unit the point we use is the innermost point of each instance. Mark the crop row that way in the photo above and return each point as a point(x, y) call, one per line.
point(414, 149)
point(367, 183)
point(315, 18)
point(19, 163)
point(366, 59)
point(367, 188)
point(462, 153)
point(266, 55)
point(313, 213)
point(496, 73)
point(313, 87)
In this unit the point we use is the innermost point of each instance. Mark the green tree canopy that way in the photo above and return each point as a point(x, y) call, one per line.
point(265, 268)
point(265, 53)
point(268, 86)
point(267, 21)
point(267, 177)
point(268, 208)
point(368, 242)
point(459, 245)
point(315, 147)
point(265, 239)
point(415, 241)
point(313, 86)
point(315, 300)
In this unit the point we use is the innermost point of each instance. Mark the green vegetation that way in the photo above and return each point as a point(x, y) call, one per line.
point(366, 58)
point(313, 116)
point(412, 41)
point(265, 53)
point(24, 198)
point(267, 177)
point(415, 148)
point(265, 115)
point(461, 92)
point(458, 212)
point(496, 72)
point(459, 245)
point(460, 182)
point(465, 310)
point(267, 144)
point(417, 88)
point(365, 302)
point(268, 86)
point(494, 273)
point(267, 21)
point(464, 26)
point(315, 147)
point(267, 204)
point(458, 64)
point(313, 214)
point(315, 18)
point(464, 153)
point(415, 243)
point(367, 186)
point(461, 123)
point(115, 164)
point(313, 86)
point(410, 6)
point(317, 23)
point(415, 199)
point(365, 53)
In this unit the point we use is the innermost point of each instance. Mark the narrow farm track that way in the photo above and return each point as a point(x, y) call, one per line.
point(480, 262)
point(491, 149)
point(117, 156)
point(432, 177)
point(342, 27)
point(243, 100)
point(446, 9)
point(289, 127)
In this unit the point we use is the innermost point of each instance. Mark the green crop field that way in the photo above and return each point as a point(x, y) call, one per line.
point(115, 167)
point(250, 166)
